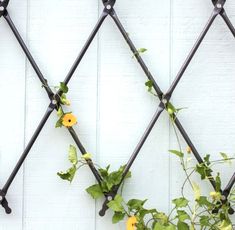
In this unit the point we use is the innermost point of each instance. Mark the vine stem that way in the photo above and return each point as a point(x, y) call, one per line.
point(181, 158)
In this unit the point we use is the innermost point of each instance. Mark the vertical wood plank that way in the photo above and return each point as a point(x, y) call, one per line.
point(57, 32)
point(12, 67)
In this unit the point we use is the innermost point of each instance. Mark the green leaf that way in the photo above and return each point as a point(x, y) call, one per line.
point(205, 221)
point(161, 217)
point(117, 217)
point(95, 191)
point(226, 158)
point(180, 202)
point(116, 204)
point(73, 158)
point(115, 178)
point(159, 226)
point(203, 170)
point(170, 108)
point(182, 226)
point(63, 87)
point(139, 51)
point(203, 201)
point(104, 187)
point(224, 155)
point(103, 172)
point(68, 175)
point(177, 153)
point(225, 225)
point(218, 183)
point(149, 84)
point(182, 215)
point(59, 123)
point(142, 50)
point(144, 212)
point(207, 159)
point(64, 99)
point(60, 112)
point(135, 204)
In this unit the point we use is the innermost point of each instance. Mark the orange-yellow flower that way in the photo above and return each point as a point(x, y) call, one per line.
point(69, 120)
point(189, 150)
point(131, 223)
point(216, 195)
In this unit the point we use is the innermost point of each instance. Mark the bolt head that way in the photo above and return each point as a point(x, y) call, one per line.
point(218, 5)
point(54, 102)
point(108, 7)
point(2, 8)
point(110, 198)
point(164, 100)
point(223, 198)
point(1, 198)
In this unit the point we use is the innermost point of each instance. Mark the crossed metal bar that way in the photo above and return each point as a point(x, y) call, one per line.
point(164, 98)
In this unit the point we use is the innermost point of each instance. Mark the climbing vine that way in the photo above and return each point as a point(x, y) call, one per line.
point(198, 211)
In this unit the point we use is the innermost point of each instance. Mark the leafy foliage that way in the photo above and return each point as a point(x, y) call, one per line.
point(140, 51)
point(76, 164)
point(109, 180)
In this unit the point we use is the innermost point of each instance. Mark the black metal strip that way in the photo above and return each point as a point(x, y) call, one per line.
point(152, 123)
point(28, 147)
point(83, 151)
point(86, 46)
point(28, 54)
point(136, 53)
point(215, 13)
point(229, 186)
point(231, 182)
point(228, 22)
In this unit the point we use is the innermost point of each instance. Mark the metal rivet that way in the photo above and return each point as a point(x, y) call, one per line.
point(164, 100)
point(109, 198)
point(108, 7)
point(223, 198)
point(219, 5)
point(2, 8)
point(54, 102)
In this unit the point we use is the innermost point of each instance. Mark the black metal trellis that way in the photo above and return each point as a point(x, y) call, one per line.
point(164, 98)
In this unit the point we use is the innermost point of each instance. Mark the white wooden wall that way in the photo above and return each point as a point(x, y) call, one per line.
point(111, 102)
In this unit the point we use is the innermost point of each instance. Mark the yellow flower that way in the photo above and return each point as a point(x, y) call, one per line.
point(67, 102)
point(69, 120)
point(86, 156)
point(131, 223)
point(215, 195)
point(189, 150)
